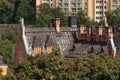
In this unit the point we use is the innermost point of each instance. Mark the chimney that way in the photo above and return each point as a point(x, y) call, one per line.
point(57, 26)
point(81, 29)
point(100, 31)
point(89, 30)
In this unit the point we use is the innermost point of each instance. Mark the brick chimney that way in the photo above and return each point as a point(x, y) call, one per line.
point(89, 30)
point(81, 29)
point(100, 31)
point(57, 26)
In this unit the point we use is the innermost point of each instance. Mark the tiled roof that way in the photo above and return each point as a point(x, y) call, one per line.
point(64, 40)
point(50, 42)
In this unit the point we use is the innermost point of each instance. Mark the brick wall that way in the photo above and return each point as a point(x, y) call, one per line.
point(20, 52)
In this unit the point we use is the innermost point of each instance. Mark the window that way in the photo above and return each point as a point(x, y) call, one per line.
point(66, 10)
point(66, 1)
point(99, 7)
point(66, 4)
point(79, 1)
point(99, 12)
point(73, 5)
point(73, 0)
point(60, 1)
point(79, 9)
point(60, 5)
point(73, 10)
point(79, 5)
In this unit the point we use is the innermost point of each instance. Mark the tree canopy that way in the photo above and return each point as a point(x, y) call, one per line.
point(82, 19)
point(55, 66)
point(6, 51)
point(46, 14)
point(26, 10)
point(113, 17)
point(6, 11)
point(12, 10)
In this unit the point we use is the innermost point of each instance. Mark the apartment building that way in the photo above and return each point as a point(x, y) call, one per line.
point(70, 6)
point(67, 6)
point(94, 9)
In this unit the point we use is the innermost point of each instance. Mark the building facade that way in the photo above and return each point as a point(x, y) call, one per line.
point(94, 9)
point(71, 41)
point(67, 6)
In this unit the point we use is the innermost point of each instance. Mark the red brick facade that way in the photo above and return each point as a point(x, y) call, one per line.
point(20, 52)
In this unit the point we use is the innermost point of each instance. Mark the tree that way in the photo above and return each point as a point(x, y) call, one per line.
point(98, 67)
point(10, 35)
point(45, 9)
point(55, 66)
point(57, 13)
point(6, 51)
point(114, 17)
point(43, 20)
point(83, 20)
point(26, 10)
point(46, 14)
point(6, 11)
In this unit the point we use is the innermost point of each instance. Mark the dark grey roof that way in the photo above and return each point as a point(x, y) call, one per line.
point(50, 42)
point(64, 40)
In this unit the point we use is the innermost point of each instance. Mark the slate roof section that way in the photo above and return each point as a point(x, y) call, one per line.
point(65, 40)
point(37, 41)
point(50, 42)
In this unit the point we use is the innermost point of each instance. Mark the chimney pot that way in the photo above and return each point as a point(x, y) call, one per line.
point(57, 25)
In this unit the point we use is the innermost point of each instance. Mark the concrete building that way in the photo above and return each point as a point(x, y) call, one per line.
point(68, 6)
point(94, 9)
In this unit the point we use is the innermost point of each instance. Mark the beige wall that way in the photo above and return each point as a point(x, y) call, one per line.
point(109, 5)
point(90, 9)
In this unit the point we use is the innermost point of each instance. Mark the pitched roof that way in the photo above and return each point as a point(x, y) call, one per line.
point(64, 40)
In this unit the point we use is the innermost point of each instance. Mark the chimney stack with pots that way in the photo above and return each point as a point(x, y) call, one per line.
point(57, 26)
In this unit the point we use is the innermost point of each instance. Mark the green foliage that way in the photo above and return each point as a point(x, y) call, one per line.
point(6, 51)
point(10, 36)
point(6, 11)
point(56, 67)
point(113, 18)
point(43, 20)
point(83, 20)
point(12, 10)
point(47, 13)
point(44, 8)
point(59, 14)
point(26, 10)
